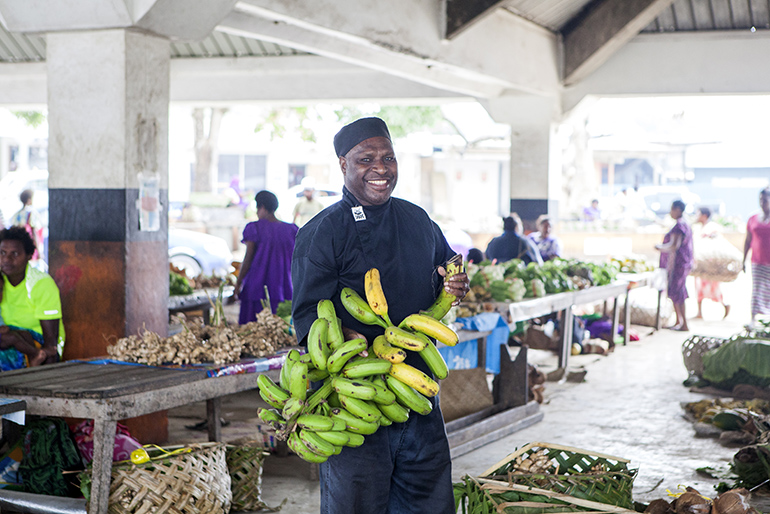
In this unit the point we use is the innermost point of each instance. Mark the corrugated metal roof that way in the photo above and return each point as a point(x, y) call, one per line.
point(17, 47)
point(705, 15)
point(551, 14)
point(682, 15)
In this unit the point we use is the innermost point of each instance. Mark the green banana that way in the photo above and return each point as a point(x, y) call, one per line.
point(383, 395)
point(292, 408)
point(271, 389)
point(317, 346)
point(316, 444)
point(430, 327)
point(344, 353)
point(326, 311)
point(297, 446)
point(404, 339)
point(316, 375)
point(315, 422)
point(444, 301)
point(385, 421)
point(361, 367)
point(306, 358)
point(271, 401)
point(298, 381)
point(354, 439)
point(335, 438)
point(354, 423)
point(435, 361)
point(354, 388)
point(359, 309)
point(408, 397)
point(338, 425)
point(361, 408)
point(384, 350)
point(271, 417)
point(394, 412)
point(292, 357)
point(414, 378)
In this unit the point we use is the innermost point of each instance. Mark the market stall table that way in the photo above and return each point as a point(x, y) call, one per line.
point(564, 302)
point(109, 392)
point(656, 279)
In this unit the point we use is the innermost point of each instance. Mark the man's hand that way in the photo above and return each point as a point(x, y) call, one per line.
point(349, 334)
point(457, 285)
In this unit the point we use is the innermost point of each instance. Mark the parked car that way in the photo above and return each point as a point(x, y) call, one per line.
point(196, 253)
point(659, 198)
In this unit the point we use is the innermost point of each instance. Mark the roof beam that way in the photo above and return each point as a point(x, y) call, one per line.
point(461, 14)
point(603, 28)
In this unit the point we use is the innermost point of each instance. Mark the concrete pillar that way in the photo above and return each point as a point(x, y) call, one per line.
point(535, 158)
point(108, 93)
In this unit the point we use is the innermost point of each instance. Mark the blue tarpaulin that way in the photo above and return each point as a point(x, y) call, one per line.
point(465, 356)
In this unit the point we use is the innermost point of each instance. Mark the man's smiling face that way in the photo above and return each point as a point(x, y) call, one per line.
point(370, 170)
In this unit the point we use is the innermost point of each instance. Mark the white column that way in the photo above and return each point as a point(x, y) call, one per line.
point(535, 157)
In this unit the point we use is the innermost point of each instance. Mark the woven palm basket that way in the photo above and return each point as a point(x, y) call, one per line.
point(245, 464)
point(194, 482)
point(693, 350)
point(557, 479)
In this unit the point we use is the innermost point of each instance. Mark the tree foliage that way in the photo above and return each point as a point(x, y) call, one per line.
point(32, 118)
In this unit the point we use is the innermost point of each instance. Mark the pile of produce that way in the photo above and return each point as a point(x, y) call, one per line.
point(363, 387)
point(513, 281)
point(741, 360)
point(178, 284)
point(197, 343)
point(735, 501)
point(733, 421)
point(636, 264)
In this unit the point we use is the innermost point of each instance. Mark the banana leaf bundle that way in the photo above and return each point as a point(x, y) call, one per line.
point(752, 465)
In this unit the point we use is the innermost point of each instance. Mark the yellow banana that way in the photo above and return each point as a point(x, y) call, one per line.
point(326, 311)
point(444, 302)
point(384, 350)
point(430, 327)
point(359, 309)
point(375, 297)
point(435, 361)
point(404, 339)
point(414, 378)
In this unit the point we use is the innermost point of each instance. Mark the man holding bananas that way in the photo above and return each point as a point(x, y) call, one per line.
point(404, 467)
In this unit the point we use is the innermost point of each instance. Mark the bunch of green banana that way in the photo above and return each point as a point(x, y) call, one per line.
point(362, 387)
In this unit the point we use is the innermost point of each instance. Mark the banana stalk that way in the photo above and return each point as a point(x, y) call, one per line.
point(444, 301)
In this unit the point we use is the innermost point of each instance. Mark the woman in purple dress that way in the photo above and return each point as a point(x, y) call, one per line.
point(677, 257)
point(269, 245)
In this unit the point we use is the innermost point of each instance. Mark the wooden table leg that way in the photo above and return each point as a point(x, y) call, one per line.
point(104, 444)
point(213, 417)
point(566, 338)
point(481, 352)
point(658, 322)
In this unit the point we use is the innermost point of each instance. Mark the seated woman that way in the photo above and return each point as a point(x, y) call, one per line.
point(549, 246)
point(30, 306)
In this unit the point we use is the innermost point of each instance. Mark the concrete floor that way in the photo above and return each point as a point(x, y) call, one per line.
point(628, 406)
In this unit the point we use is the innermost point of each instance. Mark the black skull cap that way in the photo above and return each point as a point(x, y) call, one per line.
point(360, 130)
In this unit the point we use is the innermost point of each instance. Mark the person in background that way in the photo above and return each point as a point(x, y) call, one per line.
point(549, 246)
point(475, 256)
point(404, 467)
point(707, 289)
point(33, 332)
point(307, 207)
point(267, 263)
point(512, 245)
point(592, 213)
point(677, 258)
point(758, 241)
point(28, 218)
